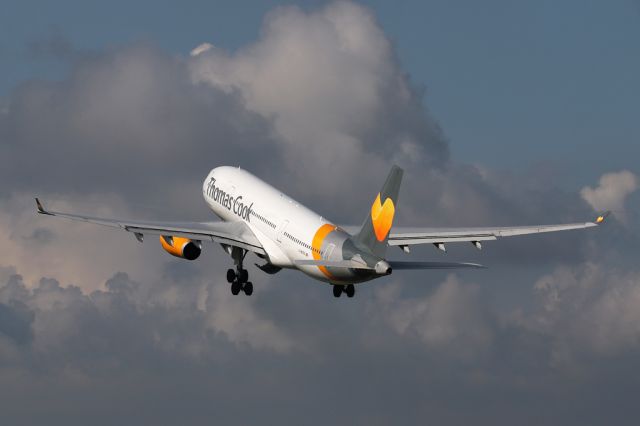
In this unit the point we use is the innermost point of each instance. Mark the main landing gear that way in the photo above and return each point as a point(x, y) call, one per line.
point(239, 282)
point(349, 289)
point(239, 278)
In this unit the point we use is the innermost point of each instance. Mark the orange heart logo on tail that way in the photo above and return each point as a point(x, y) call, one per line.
point(382, 217)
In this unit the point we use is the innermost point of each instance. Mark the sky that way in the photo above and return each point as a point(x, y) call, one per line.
point(501, 113)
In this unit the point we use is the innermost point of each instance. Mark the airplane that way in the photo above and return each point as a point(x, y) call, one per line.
point(258, 218)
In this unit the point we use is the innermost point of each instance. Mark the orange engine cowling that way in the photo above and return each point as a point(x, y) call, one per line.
point(181, 247)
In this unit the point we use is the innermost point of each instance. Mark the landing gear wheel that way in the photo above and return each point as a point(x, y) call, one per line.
point(235, 288)
point(248, 288)
point(350, 290)
point(337, 290)
point(231, 275)
point(243, 275)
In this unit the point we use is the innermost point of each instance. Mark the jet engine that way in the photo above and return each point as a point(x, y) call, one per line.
point(181, 247)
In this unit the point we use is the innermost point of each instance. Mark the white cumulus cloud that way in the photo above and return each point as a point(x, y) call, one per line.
point(330, 82)
point(611, 192)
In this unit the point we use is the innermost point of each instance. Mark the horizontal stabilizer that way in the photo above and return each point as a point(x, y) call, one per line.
point(432, 265)
point(399, 265)
point(333, 264)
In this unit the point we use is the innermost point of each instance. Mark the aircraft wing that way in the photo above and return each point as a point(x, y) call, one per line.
point(231, 233)
point(440, 236)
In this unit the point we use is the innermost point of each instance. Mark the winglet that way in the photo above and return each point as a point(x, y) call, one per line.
point(41, 209)
point(602, 217)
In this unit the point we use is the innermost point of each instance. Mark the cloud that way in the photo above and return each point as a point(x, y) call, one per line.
point(131, 120)
point(236, 318)
point(590, 308)
point(15, 322)
point(452, 318)
point(132, 344)
point(53, 318)
point(340, 102)
point(611, 192)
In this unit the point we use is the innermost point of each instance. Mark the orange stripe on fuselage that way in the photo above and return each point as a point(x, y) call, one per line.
point(318, 239)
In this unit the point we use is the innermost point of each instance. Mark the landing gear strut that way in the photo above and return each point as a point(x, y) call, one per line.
point(239, 278)
point(349, 289)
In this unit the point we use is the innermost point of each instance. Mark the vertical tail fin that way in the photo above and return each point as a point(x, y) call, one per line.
point(375, 230)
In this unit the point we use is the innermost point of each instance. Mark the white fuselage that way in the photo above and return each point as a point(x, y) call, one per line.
point(287, 230)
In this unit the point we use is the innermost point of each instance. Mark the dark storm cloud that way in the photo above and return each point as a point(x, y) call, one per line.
point(15, 322)
point(321, 107)
point(442, 355)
